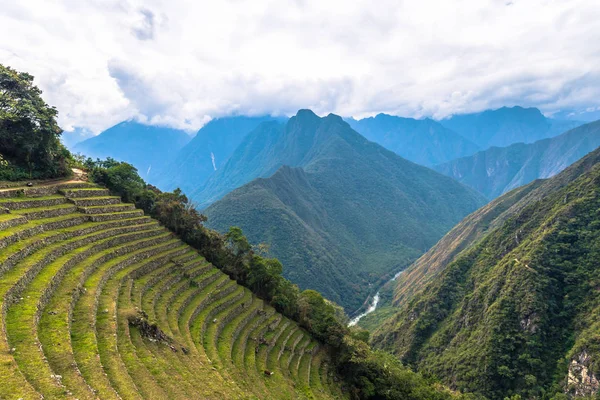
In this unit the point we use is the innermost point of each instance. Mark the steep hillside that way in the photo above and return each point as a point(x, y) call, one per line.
point(99, 301)
point(206, 153)
point(500, 169)
point(347, 215)
point(148, 148)
point(508, 302)
point(507, 125)
point(424, 142)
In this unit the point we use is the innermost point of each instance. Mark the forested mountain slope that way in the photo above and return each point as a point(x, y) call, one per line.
point(509, 302)
point(424, 142)
point(500, 169)
point(507, 125)
point(148, 148)
point(348, 213)
point(206, 153)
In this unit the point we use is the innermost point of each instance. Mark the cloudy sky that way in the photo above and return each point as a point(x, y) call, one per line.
point(181, 62)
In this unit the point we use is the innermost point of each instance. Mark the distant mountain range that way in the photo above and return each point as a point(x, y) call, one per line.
point(206, 153)
point(342, 213)
point(507, 125)
point(500, 169)
point(425, 141)
point(148, 148)
point(507, 303)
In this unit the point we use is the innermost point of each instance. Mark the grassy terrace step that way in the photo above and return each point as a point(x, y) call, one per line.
point(227, 334)
point(156, 357)
point(221, 300)
point(54, 323)
point(298, 353)
point(75, 227)
point(76, 263)
point(17, 203)
point(117, 353)
point(42, 190)
point(85, 192)
point(11, 220)
point(230, 332)
point(288, 351)
point(247, 343)
point(183, 367)
point(95, 201)
point(26, 239)
point(106, 209)
point(116, 215)
point(142, 285)
point(163, 288)
point(193, 362)
point(13, 279)
point(272, 336)
point(268, 359)
point(223, 315)
point(46, 212)
point(315, 371)
point(191, 307)
point(21, 318)
point(84, 337)
point(304, 364)
point(245, 340)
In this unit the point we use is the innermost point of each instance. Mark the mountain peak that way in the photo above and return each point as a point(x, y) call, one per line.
point(306, 114)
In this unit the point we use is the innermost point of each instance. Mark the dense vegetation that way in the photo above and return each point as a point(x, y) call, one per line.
point(29, 134)
point(507, 125)
point(367, 374)
point(513, 309)
point(342, 214)
point(423, 141)
point(499, 169)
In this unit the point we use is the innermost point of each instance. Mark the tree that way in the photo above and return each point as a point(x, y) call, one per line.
point(29, 133)
point(264, 276)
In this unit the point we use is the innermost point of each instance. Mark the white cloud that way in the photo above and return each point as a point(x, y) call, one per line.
point(181, 63)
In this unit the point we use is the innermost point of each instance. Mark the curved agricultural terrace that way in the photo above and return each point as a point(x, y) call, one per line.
point(100, 301)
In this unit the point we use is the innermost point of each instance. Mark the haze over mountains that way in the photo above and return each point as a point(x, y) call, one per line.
point(424, 142)
point(507, 302)
point(206, 153)
point(506, 125)
point(148, 148)
point(340, 212)
point(499, 169)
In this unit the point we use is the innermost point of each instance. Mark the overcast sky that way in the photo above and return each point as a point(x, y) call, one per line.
point(182, 62)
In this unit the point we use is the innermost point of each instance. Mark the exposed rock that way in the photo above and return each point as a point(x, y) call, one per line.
point(148, 330)
point(581, 381)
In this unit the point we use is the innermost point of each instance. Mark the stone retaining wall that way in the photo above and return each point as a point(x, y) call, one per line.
point(94, 201)
point(18, 220)
point(252, 327)
point(19, 205)
point(217, 309)
point(234, 313)
point(201, 286)
point(109, 217)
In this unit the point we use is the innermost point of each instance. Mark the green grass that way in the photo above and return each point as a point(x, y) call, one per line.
point(32, 199)
point(54, 330)
point(117, 353)
point(85, 340)
point(20, 318)
point(86, 278)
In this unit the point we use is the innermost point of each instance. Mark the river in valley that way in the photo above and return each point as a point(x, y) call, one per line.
point(373, 305)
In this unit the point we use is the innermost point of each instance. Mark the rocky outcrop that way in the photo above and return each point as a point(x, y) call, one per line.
point(581, 381)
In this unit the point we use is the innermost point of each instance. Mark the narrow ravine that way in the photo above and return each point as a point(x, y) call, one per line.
point(373, 305)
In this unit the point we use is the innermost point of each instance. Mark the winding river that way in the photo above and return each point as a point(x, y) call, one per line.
point(373, 305)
